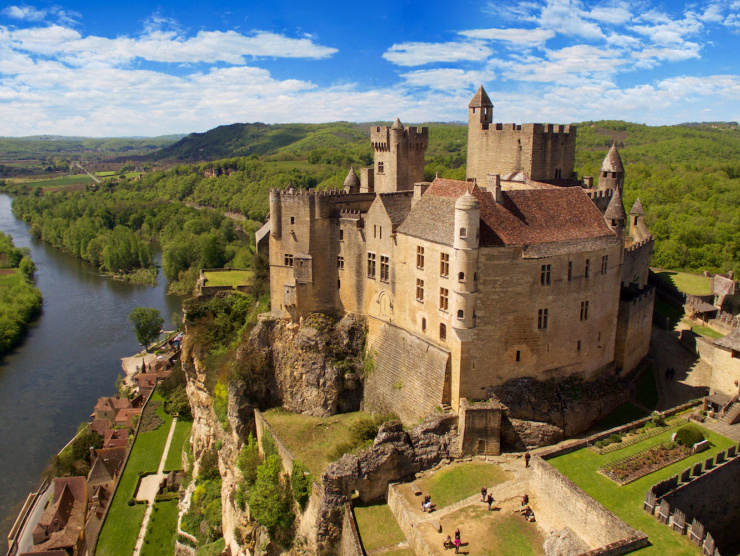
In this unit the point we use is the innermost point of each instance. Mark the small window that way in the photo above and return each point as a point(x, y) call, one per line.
point(570, 271)
point(604, 263)
point(340, 262)
point(341, 234)
point(419, 256)
point(375, 231)
point(380, 167)
point(475, 276)
point(371, 265)
point(384, 268)
point(288, 259)
point(542, 319)
point(339, 283)
point(588, 268)
point(444, 264)
point(545, 274)
point(460, 314)
point(518, 356)
point(444, 298)
point(292, 220)
point(443, 332)
point(578, 346)
point(419, 290)
point(463, 233)
point(460, 276)
point(423, 324)
point(584, 310)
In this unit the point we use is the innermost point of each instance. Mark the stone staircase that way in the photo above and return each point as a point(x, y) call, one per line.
point(732, 415)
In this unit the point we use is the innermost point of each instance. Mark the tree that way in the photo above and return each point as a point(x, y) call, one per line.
point(147, 324)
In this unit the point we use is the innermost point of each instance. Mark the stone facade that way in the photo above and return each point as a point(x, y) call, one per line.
point(467, 285)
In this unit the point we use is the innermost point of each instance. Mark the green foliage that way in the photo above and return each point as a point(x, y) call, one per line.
point(362, 434)
point(221, 404)
point(212, 549)
point(75, 458)
point(268, 444)
point(249, 460)
point(689, 435)
point(203, 519)
point(270, 500)
point(147, 323)
point(300, 482)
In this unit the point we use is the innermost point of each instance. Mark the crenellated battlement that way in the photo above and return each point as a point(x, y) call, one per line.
point(639, 245)
point(415, 138)
point(535, 129)
point(309, 192)
point(637, 297)
point(599, 193)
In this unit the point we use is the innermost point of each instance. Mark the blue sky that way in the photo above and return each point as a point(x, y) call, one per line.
point(140, 68)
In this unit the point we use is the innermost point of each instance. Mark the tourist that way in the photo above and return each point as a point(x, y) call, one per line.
point(457, 541)
point(426, 506)
point(490, 501)
point(448, 543)
point(483, 491)
point(525, 500)
point(527, 457)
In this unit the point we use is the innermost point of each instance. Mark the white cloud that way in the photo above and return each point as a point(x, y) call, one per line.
point(420, 53)
point(521, 36)
point(615, 15)
point(568, 18)
point(447, 79)
point(27, 13)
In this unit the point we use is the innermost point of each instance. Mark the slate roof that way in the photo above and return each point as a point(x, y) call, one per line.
point(615, 210)
point(637, 208)
point(731, 341)
point(612, 162)
point(113, 456)
point(397, 205)
point(351, 179)
point(722, 286)
point(525, 218)
point(480, 99)
point(100, 472)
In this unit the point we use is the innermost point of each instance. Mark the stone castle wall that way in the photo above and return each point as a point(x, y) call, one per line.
point(725, 372)
point(633, 329)
point(636, 265)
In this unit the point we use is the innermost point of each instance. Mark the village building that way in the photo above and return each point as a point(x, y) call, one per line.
point(522, 270)
point(62, 524)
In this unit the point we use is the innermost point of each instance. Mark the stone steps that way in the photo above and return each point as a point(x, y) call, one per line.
point(733, 415)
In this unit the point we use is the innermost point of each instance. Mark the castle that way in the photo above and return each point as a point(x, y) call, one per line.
point(520, 271)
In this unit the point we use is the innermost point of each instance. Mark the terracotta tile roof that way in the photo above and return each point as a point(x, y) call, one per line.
point(115, 434)
point(68, 509)
point(103, 404)
point(525, 218)
point(124, 415)
point(397, 205)
point(113, 457)
point(100, 426)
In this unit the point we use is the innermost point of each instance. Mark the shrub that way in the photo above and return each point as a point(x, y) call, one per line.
point(268, 444)
point(249, 460)
point(614, 438)
point(131, 502)
point(300, 482)
point(689, 435)
point(270, 500)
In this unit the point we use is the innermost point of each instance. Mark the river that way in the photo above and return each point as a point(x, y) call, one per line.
point(70, 357)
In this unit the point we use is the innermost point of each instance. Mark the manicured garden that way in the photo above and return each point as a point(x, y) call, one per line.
point(179, 437)
point(123, 522)
point(160, 533)
point(377, 527)
point(626, 501)
point(692, 284)
point(457, 482)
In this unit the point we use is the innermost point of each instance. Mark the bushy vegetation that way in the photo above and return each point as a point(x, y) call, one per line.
point(363, 432)
point(74, 460)
point(203, 519)
point(172, 389)
point(300, 482)
point(689, 435)
point(20, 302)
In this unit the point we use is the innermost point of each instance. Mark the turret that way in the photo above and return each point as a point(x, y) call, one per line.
point(614, 214)
point(465, 265)
point(351, 183)
point(276, 214)
point(638, 230)
point(399, 158)
point(480, 109)
point(612, 170)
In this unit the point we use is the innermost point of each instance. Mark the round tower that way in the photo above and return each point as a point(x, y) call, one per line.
point(465, 264)
point(612, 170)
point(276, 214)
point(351, 183)
point(614, 214)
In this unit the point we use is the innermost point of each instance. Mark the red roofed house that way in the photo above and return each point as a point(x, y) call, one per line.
point(62, 524)
point(471, 288)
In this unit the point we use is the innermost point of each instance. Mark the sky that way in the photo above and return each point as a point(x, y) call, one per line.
point(139, 68)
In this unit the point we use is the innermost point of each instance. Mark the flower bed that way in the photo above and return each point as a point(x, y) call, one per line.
point(149, 419)
point(645, 462)
point(632, 440)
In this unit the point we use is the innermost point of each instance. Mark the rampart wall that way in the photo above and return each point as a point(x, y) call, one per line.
point(634, 328)
point(351, 545)
point(636, 264)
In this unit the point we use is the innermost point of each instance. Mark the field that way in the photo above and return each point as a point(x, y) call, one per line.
point(626, 501)
point(311, 439)
point(692, 284)
point(180, 436)
point(59, 183)
point(10, 277)
point(231, 278)
point(377, 527)
point(458, 482)
point(160, 533)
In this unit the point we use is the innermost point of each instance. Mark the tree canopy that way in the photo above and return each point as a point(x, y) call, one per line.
point(147, 323)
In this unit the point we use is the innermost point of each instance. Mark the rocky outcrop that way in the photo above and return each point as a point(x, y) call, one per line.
point(396, 454)
point(541, 413)
point(564, 543)
point(316, 365)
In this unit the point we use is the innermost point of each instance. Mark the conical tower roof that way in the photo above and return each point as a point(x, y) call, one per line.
point(397, 124)
point(351, 179)
point(612, 162)
point(637, 208)
point(615, 210)
point(480, 99)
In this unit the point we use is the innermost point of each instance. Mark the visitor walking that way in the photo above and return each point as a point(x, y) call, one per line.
point(527, 457)
point(490, 501)
point(483, 492)
point(457, 540)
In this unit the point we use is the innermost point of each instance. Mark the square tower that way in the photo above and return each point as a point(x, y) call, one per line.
point(399, 156)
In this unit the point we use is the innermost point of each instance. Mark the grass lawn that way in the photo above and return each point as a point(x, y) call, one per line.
point(706, 331)
point(160, 533)
point(377, 527)
point(65, 181)
point(625, 413)
point(231, 278)
point(179, 437)
point(692, 284)
point(626, 501)
point(311, 439)
point(667, 310)
point(457, 482)
point(122, 525)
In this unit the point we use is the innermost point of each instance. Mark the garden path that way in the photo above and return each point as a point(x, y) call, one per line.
point(149, 492)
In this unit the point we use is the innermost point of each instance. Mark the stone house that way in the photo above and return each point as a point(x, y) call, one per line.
point(520, 271)
point(61, 526)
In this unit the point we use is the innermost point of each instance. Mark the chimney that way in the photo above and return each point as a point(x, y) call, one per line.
point(588, 182)
point(493, 183)
point(419, 189)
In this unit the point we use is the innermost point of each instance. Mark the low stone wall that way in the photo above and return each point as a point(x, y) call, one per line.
point(551, 492)
point(698, 345)
point(407, 521)
point(480, 428)
point(351, 544)
point(284, 452)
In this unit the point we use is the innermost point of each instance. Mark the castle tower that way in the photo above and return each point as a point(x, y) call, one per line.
point(276, 214)
point(612, 170)
point(465, 265)
point(351, 183)
point(399, 156)
point(614, 214)
point(637, 225)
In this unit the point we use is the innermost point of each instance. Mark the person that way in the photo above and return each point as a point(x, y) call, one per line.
point(490, 501)
point(458, 542)
point(525, 500)
point(448, 543)
point(483, 491)
point(527, 457)
point(427, 505)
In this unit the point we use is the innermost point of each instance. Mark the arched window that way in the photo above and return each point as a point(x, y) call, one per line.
point(443, 332)
point(463, 232)
point(423, 324)
point(460, 314)
point(461, 276)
